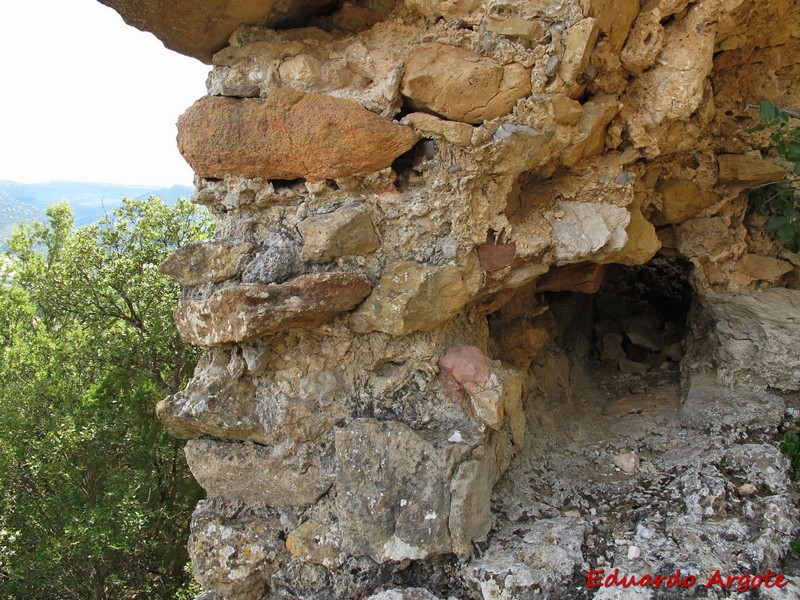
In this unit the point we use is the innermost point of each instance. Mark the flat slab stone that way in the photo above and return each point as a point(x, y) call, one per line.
point(248, 311)
point(711, 407)
point(288, 135)
point(255, 474)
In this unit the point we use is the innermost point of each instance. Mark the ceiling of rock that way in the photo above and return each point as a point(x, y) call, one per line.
point(199, 28)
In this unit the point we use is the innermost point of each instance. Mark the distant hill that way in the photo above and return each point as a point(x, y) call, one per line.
point(13, 212)
point(25, 202)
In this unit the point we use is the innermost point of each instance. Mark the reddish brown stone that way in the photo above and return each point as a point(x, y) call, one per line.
point(249, 311)
point(496, 256)
point(288, 135)
point(584, 277)
point(199, 28)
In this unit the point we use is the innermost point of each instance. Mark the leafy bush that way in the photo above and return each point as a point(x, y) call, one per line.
point(95, 497)
point(778, 201)
point(790, 446)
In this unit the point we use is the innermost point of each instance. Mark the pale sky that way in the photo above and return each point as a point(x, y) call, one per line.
point(85, 97)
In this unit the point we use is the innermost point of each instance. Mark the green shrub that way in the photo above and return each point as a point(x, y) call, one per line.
point(778, 201)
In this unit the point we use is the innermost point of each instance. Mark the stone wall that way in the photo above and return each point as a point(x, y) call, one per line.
point(384, 178)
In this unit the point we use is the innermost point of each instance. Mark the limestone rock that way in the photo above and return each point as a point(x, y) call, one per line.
point(704, 237)
point(659, 102)
point(313, 542)
point(213, 404)
point(745, 169)
point(584, 229)
point(288, 135)
point(627, 462)
point(471, 493)
point(579, 41)
point(645, 42)
point(462, 85)
point(255, 474)
point(711, 407)
point(753, 336)
point(614, 17)
point(233, 557)
point(206, 262)
point(566, 111)
point(392, 491)
point(246, 312)
point(682, 200)
point(277, 260)
point(517, 564)
point(764, 268)
point(513, 382)
point(642, 243)
point(404, 594)
point(547, 10)
point(347, 231)
point(199, 29)
point(454, 132)
point(411, 297)
point(482, 388)
point(515, 27)
point(590, 139)
point(450, 9)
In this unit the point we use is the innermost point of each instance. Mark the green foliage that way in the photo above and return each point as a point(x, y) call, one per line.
point(790, 446)
point(95, 497)
point(778, 201)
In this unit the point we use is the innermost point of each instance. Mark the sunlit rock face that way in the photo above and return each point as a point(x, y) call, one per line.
point(405, 191)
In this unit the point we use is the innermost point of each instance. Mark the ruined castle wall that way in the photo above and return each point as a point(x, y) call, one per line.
point(386, 177)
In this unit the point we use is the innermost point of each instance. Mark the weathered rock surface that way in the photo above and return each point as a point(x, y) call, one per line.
point(404, 594)
point(461, 85)
point(206, 262)
point(708, 407)
point(539, 569)
point(411, 297)
point(277, 260)
point(378, 463)
point(753, 337)
point(748, 170)
point(484, 389)
point(347, 231)
point(233, 557)
point(386, 448)
point(314, 543)
point(681, 200)
point(642, 243)
point(579, 41)
point(257, 475)
point(704, 237)
point(246, 312)
point(213, 404)
point(582, 230)
point(199, 29)
point(288, 135)
point(763, 267)
point(454, 132)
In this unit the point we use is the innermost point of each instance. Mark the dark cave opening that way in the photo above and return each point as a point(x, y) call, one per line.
point(639, 316)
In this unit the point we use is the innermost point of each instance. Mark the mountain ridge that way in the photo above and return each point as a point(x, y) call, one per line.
point(26, 202)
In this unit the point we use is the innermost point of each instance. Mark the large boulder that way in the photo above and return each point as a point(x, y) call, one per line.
point(288, 135)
